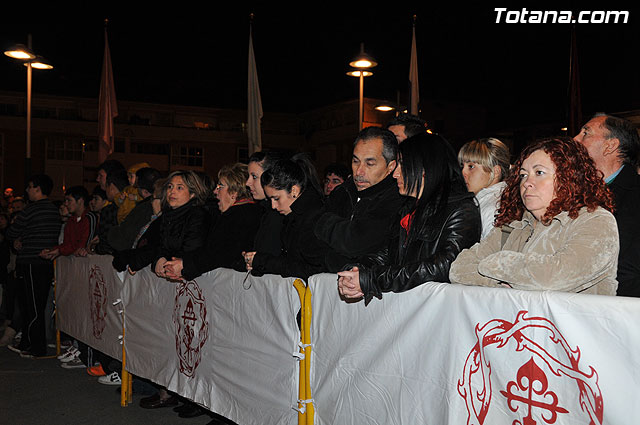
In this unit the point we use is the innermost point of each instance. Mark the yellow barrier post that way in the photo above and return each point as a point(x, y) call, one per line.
point(302, 415)
point(306, 341)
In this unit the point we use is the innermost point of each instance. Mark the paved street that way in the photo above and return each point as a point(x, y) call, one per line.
point(39, 392)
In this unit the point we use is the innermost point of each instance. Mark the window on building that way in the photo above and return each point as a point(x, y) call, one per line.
point(8, 109)
point(44, 113)
point(68, 114)
point(64, 149)
point(189, 155)
point(150, 148)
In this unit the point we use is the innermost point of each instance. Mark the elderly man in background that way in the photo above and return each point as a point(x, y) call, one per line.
point(614, 146)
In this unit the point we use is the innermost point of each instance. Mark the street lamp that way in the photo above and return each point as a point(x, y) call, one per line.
point(360, 65)
point(31, 60)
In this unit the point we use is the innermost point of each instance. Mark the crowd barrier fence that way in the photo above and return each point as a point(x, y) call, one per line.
point(438, 354)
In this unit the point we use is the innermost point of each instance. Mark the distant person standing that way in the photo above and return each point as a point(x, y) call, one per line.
point(406, 125)
point(35, 228)
point(334, 175)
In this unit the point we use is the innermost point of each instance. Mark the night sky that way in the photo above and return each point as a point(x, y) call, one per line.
point(198, 56)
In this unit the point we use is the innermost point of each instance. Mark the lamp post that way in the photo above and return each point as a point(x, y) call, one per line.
point(360, 65)
point(31, 60)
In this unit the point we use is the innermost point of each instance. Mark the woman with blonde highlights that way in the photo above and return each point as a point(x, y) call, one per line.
point(554, 228)
point(485, 165)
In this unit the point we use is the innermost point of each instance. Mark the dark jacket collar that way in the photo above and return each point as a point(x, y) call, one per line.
point(309, 200)
point(627, 178)
point(170, 213)
point(388, 183)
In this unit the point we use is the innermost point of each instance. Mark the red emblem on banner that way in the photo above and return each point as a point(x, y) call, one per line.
point(531, 392)
point(97, 300)
point(191, 326)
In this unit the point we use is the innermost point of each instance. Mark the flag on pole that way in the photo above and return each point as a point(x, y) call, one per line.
point(254, 107)
point(413, 74)
point(107, 107)
point(575, 103)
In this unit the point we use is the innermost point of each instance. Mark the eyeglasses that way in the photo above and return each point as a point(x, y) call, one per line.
point(220, 186)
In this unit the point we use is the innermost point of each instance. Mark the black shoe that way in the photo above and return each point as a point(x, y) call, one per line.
point(219, 420)
point(182, 407)
point(191, 410)
point(154, 402)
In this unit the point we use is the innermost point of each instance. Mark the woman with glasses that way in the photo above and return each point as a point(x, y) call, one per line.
point(233, 233)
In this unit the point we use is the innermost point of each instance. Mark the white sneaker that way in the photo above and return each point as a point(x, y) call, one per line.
point(70, 354)
point(74, 364)
point(111, 379)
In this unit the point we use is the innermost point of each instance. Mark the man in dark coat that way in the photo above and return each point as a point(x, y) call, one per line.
point(358, 215)
point(614, 146)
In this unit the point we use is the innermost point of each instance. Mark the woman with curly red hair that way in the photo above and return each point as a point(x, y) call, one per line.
point(554, 228)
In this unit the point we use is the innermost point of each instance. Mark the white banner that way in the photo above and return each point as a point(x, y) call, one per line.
point(223, 346)
point(451, 354)
point(86, 289)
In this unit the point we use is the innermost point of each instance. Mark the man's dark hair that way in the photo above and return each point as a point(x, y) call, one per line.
point(78, 192)
point(626, 132)
point(339, 170)
point(146, 178)
point(119, 179)
point(98, 191)
point(111, 165)
point(42, 181)
point(412, 124)
point(389, 142)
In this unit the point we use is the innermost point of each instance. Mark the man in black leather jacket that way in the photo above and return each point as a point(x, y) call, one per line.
point(358, 215)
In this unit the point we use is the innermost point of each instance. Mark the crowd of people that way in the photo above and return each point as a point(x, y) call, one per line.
point(409, 210)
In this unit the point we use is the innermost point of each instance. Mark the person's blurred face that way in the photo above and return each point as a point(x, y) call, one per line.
point(537, 183)
point(331, 181)
point(3, 222)
point(177, 193)
point(592, 136)
point(96, 203)
point(64, 211)
point(112, 191)
point(226, 199)
point(73, 206)
point(132, 179)
point(368, 165)
point(398, 130)
point(281, 200)
point(402, 189)
point(475, 176)
point(33, 192)
point(102, 179)
point(19, 205)
point(253, 182)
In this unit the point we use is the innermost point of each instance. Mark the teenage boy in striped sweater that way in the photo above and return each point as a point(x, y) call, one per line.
point(35, 228)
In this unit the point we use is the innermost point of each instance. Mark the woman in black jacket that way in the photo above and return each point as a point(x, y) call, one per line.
point(293, 188)
point(233, 233)
point(439, 220)
point(268, 235)
point(182, 228)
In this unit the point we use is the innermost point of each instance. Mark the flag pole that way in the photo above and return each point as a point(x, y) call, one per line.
point(413, 73)
point(254, 100)
point(574, 99)
point(107, 107)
